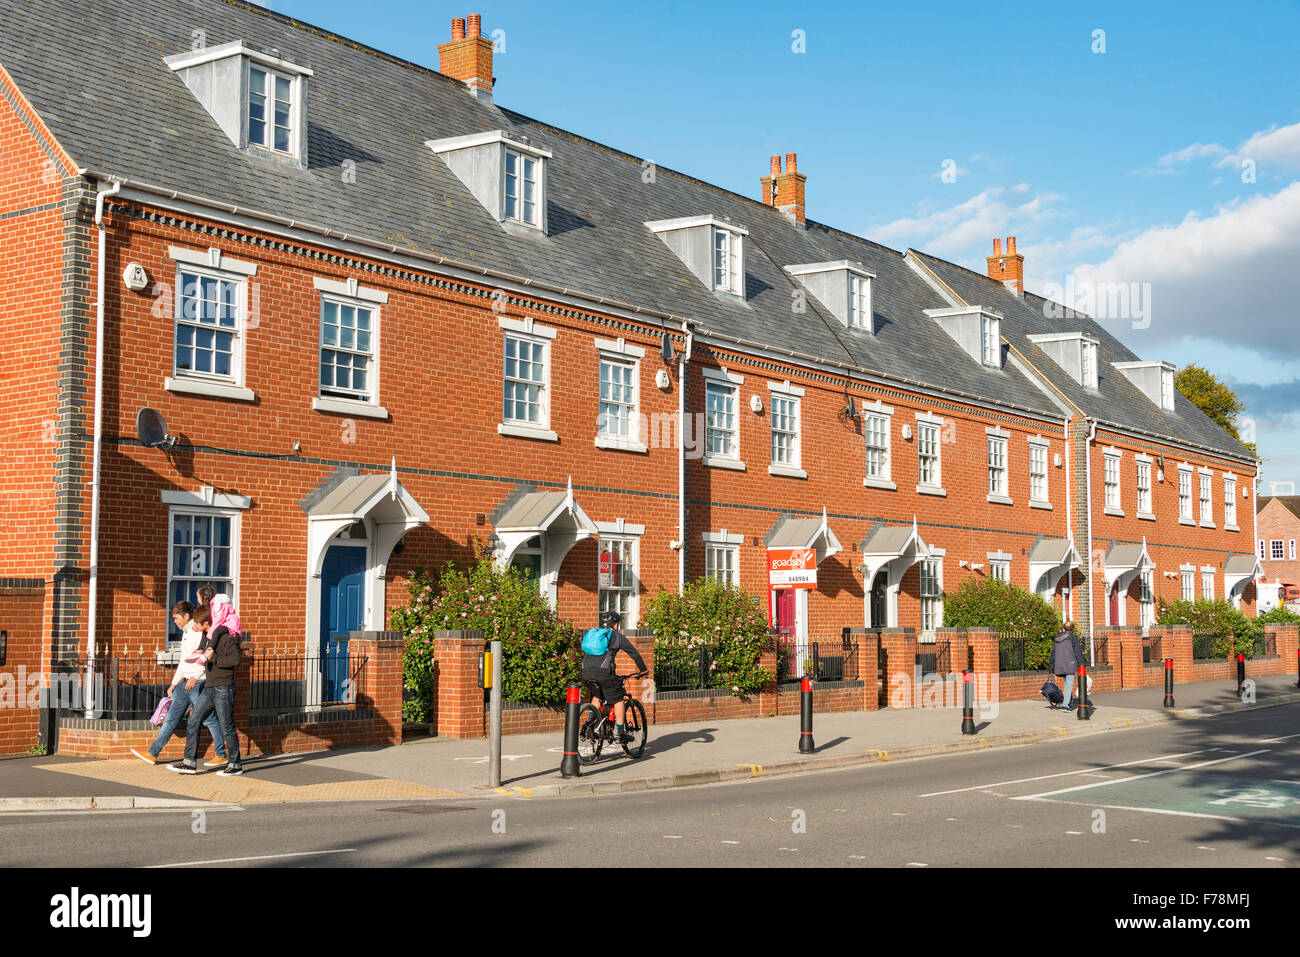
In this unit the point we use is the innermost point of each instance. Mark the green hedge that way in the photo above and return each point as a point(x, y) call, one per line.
point(540, 652)
point(708, 613)
point(1222, 620)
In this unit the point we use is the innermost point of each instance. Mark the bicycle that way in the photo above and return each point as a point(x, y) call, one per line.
point(596, 726)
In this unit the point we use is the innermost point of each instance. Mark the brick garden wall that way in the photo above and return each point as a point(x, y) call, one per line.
point(21, 606)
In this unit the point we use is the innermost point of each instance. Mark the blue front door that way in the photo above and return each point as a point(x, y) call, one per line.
point(343, 598)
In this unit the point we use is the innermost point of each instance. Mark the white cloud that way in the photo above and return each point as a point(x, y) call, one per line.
point(1189, 153)
point(971, 224)
point(1274, 146)
point(1229, 277)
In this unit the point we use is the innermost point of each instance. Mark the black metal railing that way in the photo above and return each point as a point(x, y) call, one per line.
point(686, 669)
point(1151, 650)
point(1018, 652)
point(1100, 652)
point(1203, 645)
point(935, 658)
point(835, 660)
point(293, 683)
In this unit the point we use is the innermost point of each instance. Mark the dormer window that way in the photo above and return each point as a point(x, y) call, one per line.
point(507, 176)
point(711, 248)
point(258, 99)
point(843, 287)
point(270, 109)
point(1155, 379)
point(1075, 352)
point(977, 329)
point(728, 256)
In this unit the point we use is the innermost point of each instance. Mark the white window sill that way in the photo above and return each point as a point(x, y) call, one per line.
point(932, 490)
point(1117, 512)
point(1146, 516)
point(526, 432)
point(1045, 505)
point(169, 657)
point(1185, 521)
point(999, 500)
point(213, 390)
point(718, 462)
point(619, 444)
point(1231, 528)
point(788, 471)
point(880, 483)
point(327, 403)
point(1207, 525)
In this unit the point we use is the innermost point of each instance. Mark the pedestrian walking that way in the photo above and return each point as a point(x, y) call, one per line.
point(1067, 655)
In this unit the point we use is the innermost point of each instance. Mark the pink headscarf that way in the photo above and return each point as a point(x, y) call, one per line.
point(223, 613)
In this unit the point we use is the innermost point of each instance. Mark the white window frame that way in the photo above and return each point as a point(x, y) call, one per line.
point(1111, 466)
point(997, 465)
point(1187, 582)
point(1230, 502)
point(1205, 493)
point(1000, 569)
point(268, 120)
point(785, 392)
point(522, 158)
point(1146, 598)
point(885, 414)
point(1144, 508)
point(926, 422)
point(1277, 549)
point(1263, 550)
point(620, 353)
point(990, 341)
point(722, 380)
point(729, 275)
point(1039, 451)
point(860, 316)
point(175, 511)
point(621, 533)
point(1185, 495)
point(1167, 389)
point(527, 331)
point(1207, 582)
point(1291, 549)
point(722, 544)
point(1087, 364)
point(931, 569)
point(236, 375)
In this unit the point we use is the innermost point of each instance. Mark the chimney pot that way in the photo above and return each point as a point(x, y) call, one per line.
point(1011, 245)
point(474, 25)
point(1009, 269)
point(458, 28)
point(776, 166)
point(997, 247)
point(789, 163)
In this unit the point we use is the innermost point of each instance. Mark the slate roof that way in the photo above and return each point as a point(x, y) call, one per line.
point(118, 109)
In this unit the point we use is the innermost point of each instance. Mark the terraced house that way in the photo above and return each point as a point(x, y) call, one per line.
point(388, 322)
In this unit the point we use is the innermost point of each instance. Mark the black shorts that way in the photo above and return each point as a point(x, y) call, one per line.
point(608, 684)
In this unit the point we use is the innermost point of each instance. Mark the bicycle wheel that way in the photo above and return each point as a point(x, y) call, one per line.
point(590, 739)
point(635, 723)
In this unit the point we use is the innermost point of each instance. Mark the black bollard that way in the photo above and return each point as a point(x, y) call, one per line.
point(967, 703)
point(1241, 674)
point(805, 718)
point(1084, 711)
point(1297, 668)
point(1169, 683)
point(569, 767)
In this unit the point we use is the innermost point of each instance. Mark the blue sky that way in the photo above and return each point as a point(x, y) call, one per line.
point(1168, 162)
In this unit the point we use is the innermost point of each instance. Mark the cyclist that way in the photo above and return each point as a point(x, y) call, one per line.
point(598, 669)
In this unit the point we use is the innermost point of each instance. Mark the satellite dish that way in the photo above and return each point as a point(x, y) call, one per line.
point(152, 430)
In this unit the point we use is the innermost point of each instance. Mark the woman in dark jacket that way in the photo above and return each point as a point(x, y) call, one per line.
point(1067, 655)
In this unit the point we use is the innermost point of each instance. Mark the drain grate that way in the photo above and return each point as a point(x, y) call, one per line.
point(428, 808)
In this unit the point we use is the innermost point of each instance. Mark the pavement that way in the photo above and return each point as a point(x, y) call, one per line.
point(676, 755)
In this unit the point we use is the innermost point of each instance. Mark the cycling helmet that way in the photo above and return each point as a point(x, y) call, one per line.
point(610, 619)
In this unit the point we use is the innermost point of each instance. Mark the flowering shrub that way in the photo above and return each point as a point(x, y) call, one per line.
point(1013, 611)
point(1219, 618)
point(540, 652)
point(728, 621)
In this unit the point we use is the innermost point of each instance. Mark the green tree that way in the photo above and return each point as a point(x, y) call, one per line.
point(1212, 397)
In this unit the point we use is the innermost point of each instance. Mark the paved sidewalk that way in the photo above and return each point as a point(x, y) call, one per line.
point(677, 755)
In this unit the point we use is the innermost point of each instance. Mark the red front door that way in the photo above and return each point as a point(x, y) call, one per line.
point(785, 611)
point(1114, 604)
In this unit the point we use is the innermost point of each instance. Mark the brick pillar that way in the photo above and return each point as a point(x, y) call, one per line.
point(1287, 638)
point(898, 648)
point(1126, 653)
point(641, 688)
point(867, 641)
point(986, 662)
point(457, 695)
point(769, 702)
point(957, 640)
point(1176, 643)
point(380, 685)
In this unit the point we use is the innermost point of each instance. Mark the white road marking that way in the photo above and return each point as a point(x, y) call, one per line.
point(1201, 847)
point(730, 842)
point(900, 814)
point(916, 864)
point(263, 857)
point(1284, 737)
point(673, 837)
point(1139, 777)
point(504, 757)
point(1074, 832)
point(857, 857)
point(1015, 825)
point(951, 819)
point(1274, 858)
point(1063, 774)
point(1152, 810)
point(1137, 840)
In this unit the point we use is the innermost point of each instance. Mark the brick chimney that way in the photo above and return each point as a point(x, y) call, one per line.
point(1008, 269)
point(468, 57)
point(785, 190)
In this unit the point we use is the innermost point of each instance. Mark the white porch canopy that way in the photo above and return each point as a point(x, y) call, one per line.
point(1238, 571)
point(1123, 562)
point(1048, 561)
point(891, 549)
point(380, 501)
point(554, 517)
point(815, 533)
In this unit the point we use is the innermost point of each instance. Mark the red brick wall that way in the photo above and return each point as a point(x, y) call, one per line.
point(21, 616)
point(1276, 521)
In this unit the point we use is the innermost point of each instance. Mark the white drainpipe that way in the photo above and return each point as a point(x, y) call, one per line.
point(682, 364)
point(1087, 470)
point(98, 435)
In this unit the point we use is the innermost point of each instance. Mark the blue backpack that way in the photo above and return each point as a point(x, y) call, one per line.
point(596, 641)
